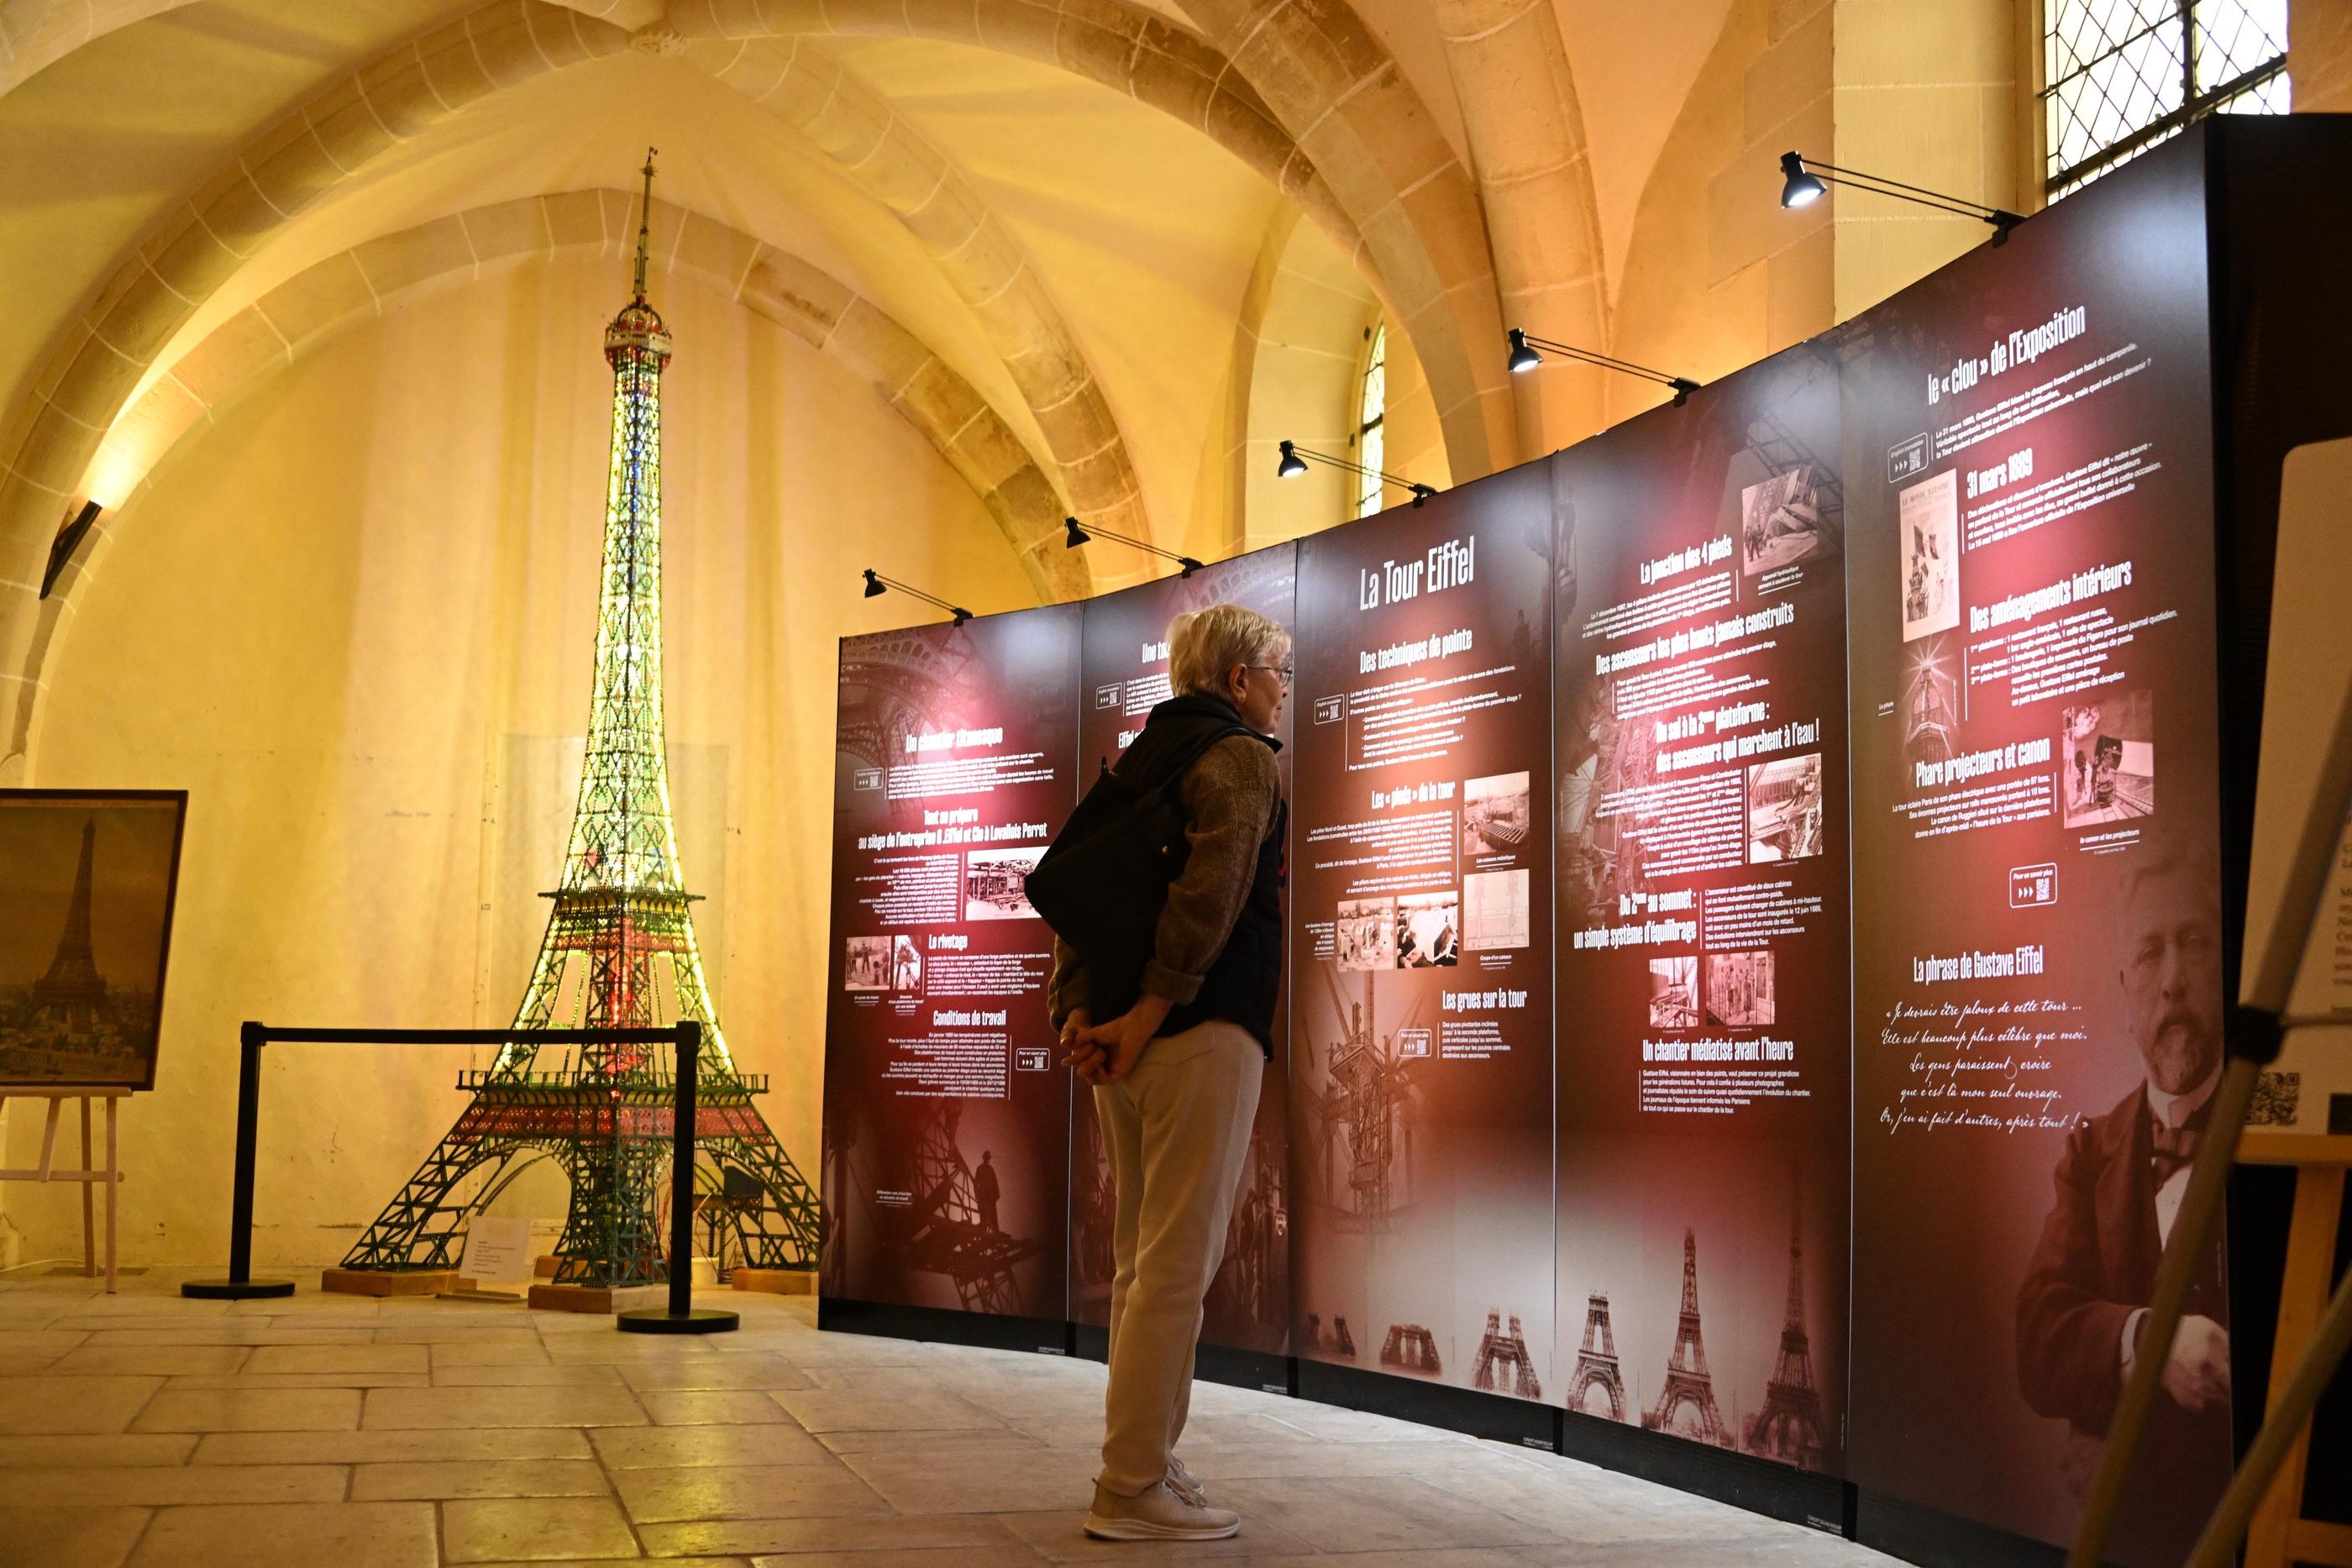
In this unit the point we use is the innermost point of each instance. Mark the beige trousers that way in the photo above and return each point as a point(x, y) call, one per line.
point(1177, 1128)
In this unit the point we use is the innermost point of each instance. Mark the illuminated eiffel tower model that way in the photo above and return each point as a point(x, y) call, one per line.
point(1789, 1426)
point(619, 952)
point(1688, 1387)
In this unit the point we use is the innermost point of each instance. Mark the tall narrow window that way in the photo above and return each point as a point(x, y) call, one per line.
point(1370, 412)
point(2124, 75)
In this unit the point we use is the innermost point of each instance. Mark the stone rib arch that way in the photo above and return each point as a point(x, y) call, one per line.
point(37, 33)
point(93, 364)
point(979, 256)
point(1135, 52)
point(1300, 90)
point(1335, 88)
point(1525, 132)
point(34, 33)
point(393, 270)
point(1336, 129)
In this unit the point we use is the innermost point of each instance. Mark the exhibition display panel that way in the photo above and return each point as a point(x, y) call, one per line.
point(1700, 747)
point(2038, 981)
point(947, 1116)
point(1420, 943)
point(1763, 884)
point(1124, 672)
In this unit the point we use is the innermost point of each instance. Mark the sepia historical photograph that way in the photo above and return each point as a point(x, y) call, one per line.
point(996, 884)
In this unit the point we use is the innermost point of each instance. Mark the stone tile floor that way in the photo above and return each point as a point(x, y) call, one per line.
point(337, 1432)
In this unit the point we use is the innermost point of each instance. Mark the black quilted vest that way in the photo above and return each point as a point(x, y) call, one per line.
point(1245, 983)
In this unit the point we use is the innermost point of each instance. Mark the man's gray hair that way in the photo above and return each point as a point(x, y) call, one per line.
point(1203, 644)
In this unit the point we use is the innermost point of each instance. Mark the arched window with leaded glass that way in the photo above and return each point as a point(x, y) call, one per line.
point(2120, 76)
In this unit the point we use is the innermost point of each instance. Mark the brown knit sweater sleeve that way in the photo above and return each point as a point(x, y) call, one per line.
point(1065, 992)
point(1228, 798)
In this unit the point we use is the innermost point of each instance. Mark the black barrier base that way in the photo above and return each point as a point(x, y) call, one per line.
point(1934, 1539)
point(985, 1331)
point(1760, 1486)
point(1463, 1410)
point(236, 1290)
point(660, 1320)
point(1259, 1369)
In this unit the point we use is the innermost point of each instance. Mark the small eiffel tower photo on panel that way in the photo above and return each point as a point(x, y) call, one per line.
point(87, 880)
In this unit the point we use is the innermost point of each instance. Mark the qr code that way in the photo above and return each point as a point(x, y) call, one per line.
point(2276, 1096)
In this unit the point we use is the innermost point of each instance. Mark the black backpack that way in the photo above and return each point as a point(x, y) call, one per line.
point(1103, 880)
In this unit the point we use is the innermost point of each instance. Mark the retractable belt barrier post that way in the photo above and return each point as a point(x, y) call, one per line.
point(681, 1316)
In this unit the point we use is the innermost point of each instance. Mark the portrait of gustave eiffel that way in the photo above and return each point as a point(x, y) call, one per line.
point(2117, 1190)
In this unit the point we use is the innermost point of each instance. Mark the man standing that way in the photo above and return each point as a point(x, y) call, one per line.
point(1176, 1057)
point(984, 1193)
point(2120, 1180)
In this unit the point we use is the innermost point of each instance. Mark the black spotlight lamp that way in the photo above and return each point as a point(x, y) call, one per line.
point(1296, 457)
point(1802, 181)
point(1074, 535)
point(1525, 358)
point(876, 585)
point(68, 539)
point(1798, 188)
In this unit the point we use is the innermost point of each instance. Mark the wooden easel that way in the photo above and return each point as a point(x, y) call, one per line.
point(2279, 1533)
point(89, 1174)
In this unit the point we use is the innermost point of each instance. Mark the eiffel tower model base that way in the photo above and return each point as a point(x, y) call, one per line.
point(600, 1300)
point(775, 1281)
point(613, 1135)
point(388, 1282)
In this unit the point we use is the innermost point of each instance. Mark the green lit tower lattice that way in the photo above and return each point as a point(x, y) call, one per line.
point(619, 952)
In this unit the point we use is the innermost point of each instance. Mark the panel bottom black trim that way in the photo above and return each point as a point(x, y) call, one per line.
point(1934, 1538)
point(1431, 1404)
point(1257, 1369)
point(1760, 1486)
point(1050, 1336)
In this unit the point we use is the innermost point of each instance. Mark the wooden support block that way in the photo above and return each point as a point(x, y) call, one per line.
point(388, 1282)
point(775, 1281)
point(597, 1298)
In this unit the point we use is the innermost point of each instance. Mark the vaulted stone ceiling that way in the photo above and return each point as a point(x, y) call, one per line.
point(1056, 207)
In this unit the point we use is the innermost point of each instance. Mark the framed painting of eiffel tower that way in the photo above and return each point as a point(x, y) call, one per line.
point(88, 878)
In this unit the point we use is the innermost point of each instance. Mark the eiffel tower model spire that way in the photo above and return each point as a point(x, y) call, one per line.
point(72, 984)
point(1688, 1388)
point(1789, 1426)
point(619, 952)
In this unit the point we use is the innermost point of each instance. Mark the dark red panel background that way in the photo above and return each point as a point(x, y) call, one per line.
point(1738, 1179)
point(1945, 1216)
point(891, 1234)
point(1124, 672)
point(1467, 1229)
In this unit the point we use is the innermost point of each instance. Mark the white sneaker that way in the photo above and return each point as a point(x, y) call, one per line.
point(1160, 1513)
point(1184, 1483)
